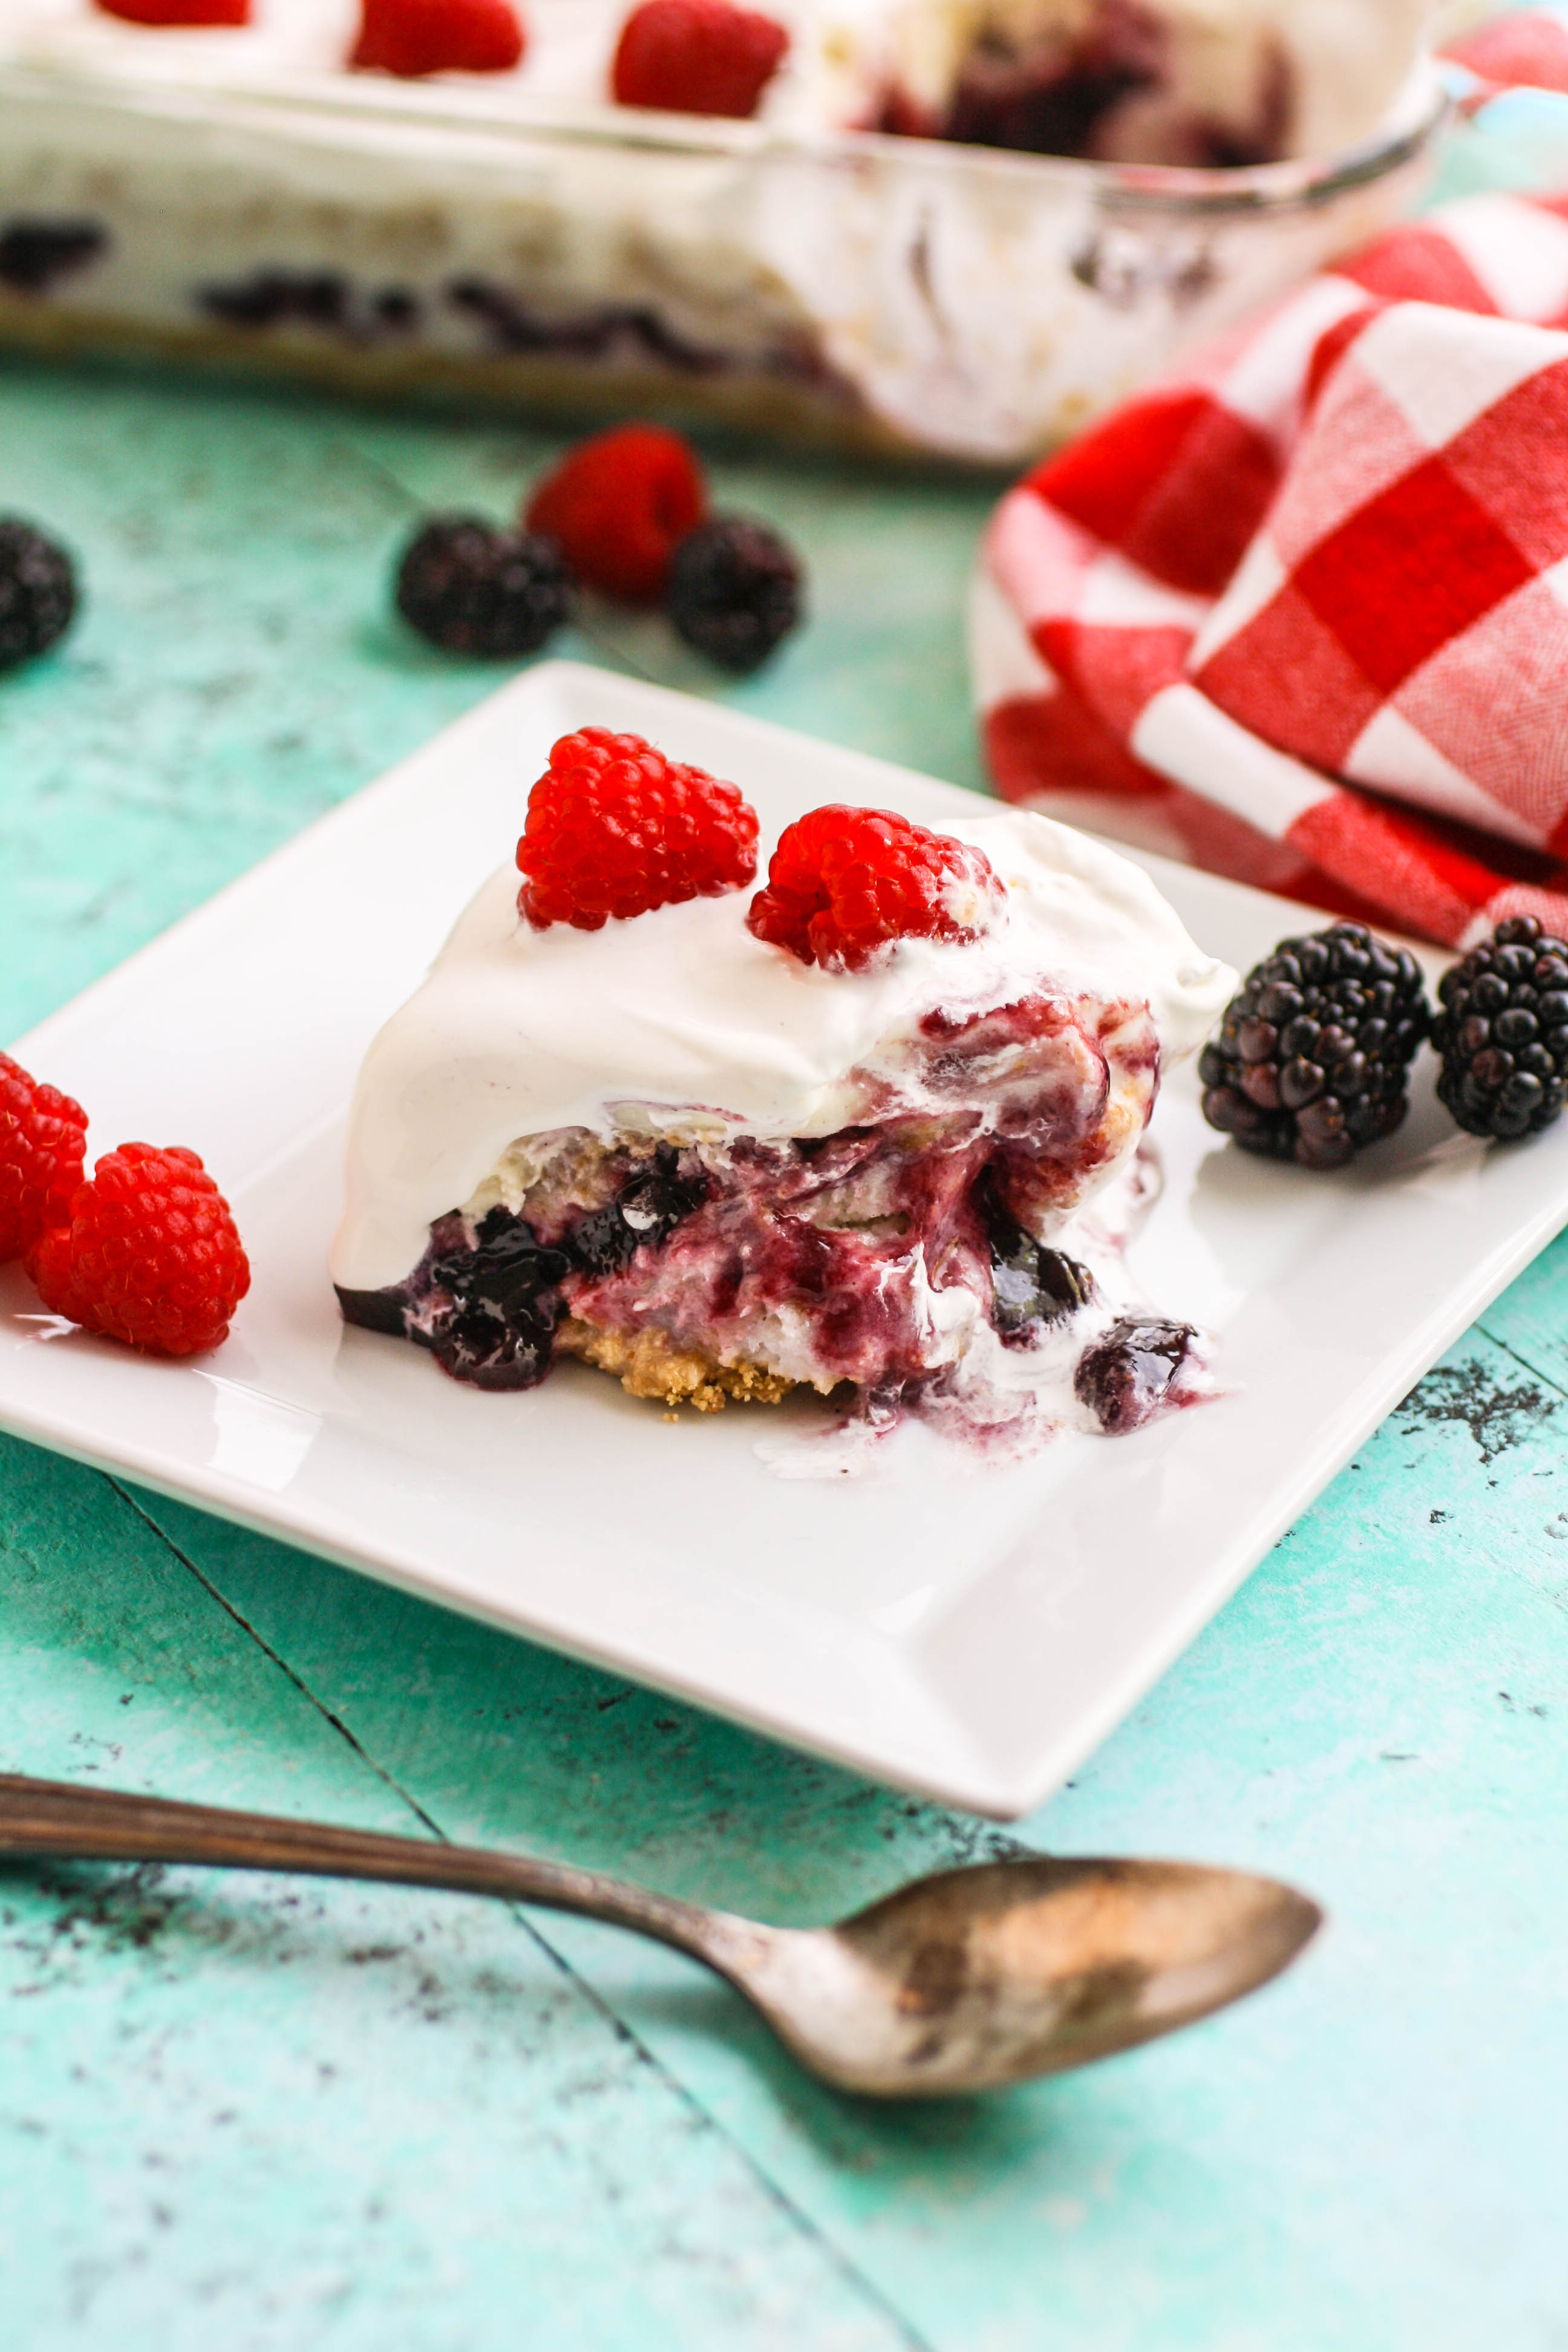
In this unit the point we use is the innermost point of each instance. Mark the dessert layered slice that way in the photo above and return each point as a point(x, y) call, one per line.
point(872, 1131)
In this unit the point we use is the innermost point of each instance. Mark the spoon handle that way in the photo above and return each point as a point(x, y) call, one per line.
point(57, 1817)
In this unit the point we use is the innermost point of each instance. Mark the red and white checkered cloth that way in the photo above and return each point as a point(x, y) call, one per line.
point(1315, 584)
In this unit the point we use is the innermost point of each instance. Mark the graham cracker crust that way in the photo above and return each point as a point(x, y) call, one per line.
point(649, 1364)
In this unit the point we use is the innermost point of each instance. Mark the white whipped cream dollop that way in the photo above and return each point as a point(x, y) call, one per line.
point(681, 1020)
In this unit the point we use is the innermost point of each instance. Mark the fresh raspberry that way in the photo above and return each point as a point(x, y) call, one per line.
point(43, 1137)
point(617, 506)
point(696, 56)
point(149, 1254)
point(178, 12)
point(614, 828)
point(845, 882)
point(425, 36)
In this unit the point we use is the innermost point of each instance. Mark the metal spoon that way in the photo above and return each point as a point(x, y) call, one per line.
point(962, 1981)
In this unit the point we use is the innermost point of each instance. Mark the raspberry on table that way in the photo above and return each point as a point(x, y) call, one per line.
point(614, 828)
point(845, 883)
point(696, 56)
point(43, 1141)
point(178, 12)
point(617, 506)
point(1502, 1030)
point(473, 588)
point(410, 37)
point(38, 592)
point(148, 1253)
point(734, 590)
point(1314, 1053)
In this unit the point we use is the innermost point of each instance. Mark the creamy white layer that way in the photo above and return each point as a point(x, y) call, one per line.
point(679, 1021)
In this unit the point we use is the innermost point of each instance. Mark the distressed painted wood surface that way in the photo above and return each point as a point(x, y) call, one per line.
point(271, 2116)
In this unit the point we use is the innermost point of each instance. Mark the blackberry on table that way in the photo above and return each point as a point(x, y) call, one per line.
point(1314, 1054)
point(38, 592)
point(1502, 1030)
point(473, 588)
point(733, 591)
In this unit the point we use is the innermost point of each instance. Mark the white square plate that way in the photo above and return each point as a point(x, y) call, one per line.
point(967, 1632)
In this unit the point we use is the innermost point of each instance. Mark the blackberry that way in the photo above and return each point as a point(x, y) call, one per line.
point(38, 592)
point(1314, 1054)
point(1502, 1030)
point(473, 588)
point(734, 590)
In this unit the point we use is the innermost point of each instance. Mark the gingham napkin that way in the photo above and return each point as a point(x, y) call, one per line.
point(1317, 583)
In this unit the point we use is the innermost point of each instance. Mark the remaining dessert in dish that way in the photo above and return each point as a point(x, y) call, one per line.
point(870, 1130)
point(244, 192)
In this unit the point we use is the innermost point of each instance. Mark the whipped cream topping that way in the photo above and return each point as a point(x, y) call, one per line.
point(680, 1021)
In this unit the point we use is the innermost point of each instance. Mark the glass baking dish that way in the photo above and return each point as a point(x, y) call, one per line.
point(405, 239)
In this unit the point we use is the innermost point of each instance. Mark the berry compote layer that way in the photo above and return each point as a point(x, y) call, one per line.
point(673, 1150)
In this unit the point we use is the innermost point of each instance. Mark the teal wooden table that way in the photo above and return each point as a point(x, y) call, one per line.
point(271, 2114)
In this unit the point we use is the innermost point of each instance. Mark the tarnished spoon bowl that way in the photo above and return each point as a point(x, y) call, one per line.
point(962, 1981)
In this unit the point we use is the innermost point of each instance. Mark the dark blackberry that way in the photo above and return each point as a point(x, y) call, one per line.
point(473, 588)
point(1032, 1285)
point(734, 590)
point(1123, 1379)
point(1314, 1054)
point(497, 1324)
point(38, 592)
point(1501, 1027)
point(647, 1209)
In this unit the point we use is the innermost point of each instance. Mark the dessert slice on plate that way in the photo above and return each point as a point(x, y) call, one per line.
point(872, 1130)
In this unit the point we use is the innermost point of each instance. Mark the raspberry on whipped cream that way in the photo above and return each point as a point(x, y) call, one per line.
point(412, 37)
point(678, 1151)
point(614, 828)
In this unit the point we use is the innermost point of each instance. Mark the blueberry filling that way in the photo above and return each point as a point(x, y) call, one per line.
point(503, 1300)
point(338, 305)
point(488, 1309)
point(647, 1210)
point(35, 253)
point(511, 324)
point(1055, 107)
point(311, 298)
point(1033, 1285)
